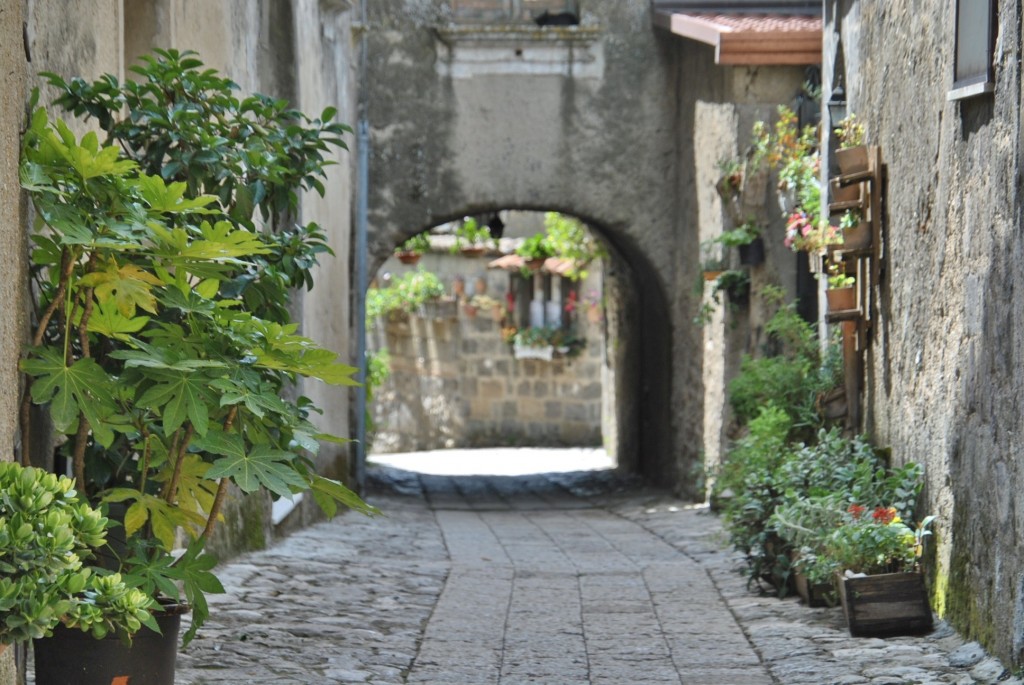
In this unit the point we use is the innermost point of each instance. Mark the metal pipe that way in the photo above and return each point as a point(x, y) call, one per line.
point(362, 211)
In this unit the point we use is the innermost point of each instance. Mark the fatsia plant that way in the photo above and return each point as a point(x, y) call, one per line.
point(161, 346)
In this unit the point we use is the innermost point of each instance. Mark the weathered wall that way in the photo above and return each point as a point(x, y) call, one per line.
point(721, 117)
point(454, 381)
point(945, 364)
point(587, 128)
point(12, 242)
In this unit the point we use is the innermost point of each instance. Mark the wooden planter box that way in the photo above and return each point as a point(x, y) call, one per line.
point(852, 159)
point(816, 595)
point(885, 604)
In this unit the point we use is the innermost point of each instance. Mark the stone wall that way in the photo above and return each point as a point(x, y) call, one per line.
point(455, 383)
point(944, 370)
point(12, 242)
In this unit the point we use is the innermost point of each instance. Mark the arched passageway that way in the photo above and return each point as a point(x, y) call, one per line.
point(584, 122)
point(473, 345)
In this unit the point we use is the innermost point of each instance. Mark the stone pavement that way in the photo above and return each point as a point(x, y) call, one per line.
point(560, 578)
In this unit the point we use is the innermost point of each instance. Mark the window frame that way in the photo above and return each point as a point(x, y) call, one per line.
point(980, 82)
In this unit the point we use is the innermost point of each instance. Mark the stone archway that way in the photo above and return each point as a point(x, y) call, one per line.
point(583, 120)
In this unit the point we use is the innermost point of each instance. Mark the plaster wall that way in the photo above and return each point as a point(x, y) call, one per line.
point(299, 50)
point(721, 117)
point(944, 369)
point(12, 244)
point(550, 119)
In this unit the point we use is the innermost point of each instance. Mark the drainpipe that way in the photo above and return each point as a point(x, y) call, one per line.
point(362, 210)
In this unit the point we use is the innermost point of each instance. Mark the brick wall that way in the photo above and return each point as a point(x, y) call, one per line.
point(455, 383)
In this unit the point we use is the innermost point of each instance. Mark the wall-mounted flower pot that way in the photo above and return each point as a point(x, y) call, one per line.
point(408, 257)
point(841, 299)
point(544, 352)
point(858, 237)
point(535, 264)
point(472, 251)
point(711, 275)
point(852, 159)
point(885, 604)
point(752, 254)
point(848, 193)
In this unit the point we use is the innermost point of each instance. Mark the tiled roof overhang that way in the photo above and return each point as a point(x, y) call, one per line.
point(749, 39)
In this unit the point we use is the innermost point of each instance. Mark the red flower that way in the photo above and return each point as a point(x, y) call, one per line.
point(856, 510)
point(884, 515)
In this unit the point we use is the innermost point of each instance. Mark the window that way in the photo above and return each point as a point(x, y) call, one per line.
point(975, 38)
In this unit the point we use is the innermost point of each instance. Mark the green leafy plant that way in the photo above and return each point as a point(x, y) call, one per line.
point(569, 239)
point(417, 244)
point(744, 234)
point(850, 219)
point(404, 295)
point(536, 246)
point(46, 533)
point(752, 488)
point(791, 374)
point(849, 132)
point(162, 343)
point(471, 234)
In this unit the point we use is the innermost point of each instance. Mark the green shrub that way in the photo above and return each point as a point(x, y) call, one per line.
point(404, 295)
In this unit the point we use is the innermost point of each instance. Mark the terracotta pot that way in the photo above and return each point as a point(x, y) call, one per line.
point(841, 299)
point(858, 237)
point(474, 251)
point(852, 159)
point(470, 310)
point(409, 257)
point(850, 193)
point(712, 275)
point(535, 264)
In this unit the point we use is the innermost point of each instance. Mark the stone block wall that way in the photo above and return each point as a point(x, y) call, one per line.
point(944, 368)
point(455, 383)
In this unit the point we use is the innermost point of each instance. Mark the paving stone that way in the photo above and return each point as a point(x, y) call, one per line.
point(559, 578)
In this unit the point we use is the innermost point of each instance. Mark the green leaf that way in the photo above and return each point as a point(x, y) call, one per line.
point(262, 466)
point(328, 493)
point(83, 387)
point(179, 395)
point(163, 197)
point(128, 285)
point(108, 321)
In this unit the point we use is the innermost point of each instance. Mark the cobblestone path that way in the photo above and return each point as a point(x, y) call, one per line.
point(558, 579)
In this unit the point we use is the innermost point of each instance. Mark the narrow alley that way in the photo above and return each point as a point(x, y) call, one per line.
point(565, 577)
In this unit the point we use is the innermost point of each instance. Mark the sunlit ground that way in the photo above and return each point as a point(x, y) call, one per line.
point(498, 461)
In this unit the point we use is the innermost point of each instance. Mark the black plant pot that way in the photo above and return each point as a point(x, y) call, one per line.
point(752, 254)
point(72, 657)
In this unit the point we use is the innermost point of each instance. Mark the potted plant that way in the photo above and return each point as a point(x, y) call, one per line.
point(47, 534)
point(472, 237)
point(410, 251)
point(877, 556)
point(730, 180)
point(852, 154)
point(533, 342)
point(535, 250)
point(841, 293)
point(747, 239)
point(412, 292)
point(162, 341)
point(856, 232)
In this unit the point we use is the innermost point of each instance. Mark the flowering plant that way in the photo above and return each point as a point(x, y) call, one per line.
point(849, 131)
point(803, 235)
point(879, 542)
